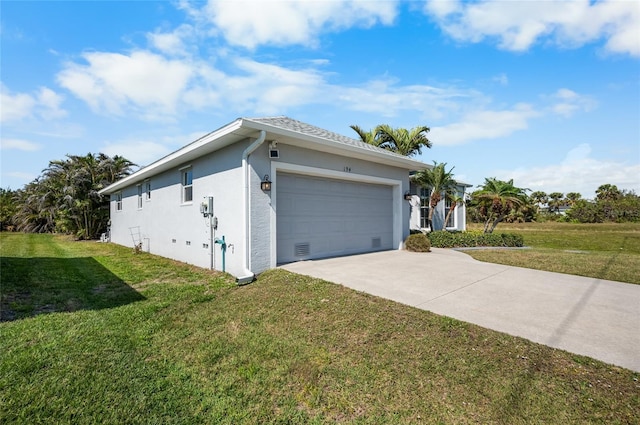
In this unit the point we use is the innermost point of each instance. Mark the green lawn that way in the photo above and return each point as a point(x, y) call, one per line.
point(605, 251)
point(94, 333)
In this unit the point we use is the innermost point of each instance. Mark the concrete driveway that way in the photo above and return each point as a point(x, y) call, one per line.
point(593, 317)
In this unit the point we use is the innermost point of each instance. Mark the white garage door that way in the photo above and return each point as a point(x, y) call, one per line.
point(320, 217)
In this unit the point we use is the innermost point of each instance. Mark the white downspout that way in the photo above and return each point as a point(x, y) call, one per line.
point(247, 274)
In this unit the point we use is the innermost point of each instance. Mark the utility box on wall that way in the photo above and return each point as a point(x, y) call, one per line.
point(206, 207)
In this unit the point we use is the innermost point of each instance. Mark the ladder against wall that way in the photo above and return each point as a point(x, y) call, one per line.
point(136, 237)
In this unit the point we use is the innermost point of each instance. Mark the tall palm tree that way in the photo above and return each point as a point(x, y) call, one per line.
point(608, 192)
point(572, 197)
point(439, 181)
point(66, 199)
point(539, 197)
point(370, 137)
point(398, 140)
point(555, 201)
point(496, 199)
point(403, 141)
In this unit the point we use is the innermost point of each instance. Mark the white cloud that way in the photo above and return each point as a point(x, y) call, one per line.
point(172, 43)
point(49, 103)
point(501, 79)
point(143, 80)
point(43, 104)
point(388, 98)
point(566, 102)
point(484, 124)
point(15, 107)
point(268, 88)
point(19, 144)
point(140, 152)
point(578, 172)
point(121, 84)
point(517, 25)
point(252, 23)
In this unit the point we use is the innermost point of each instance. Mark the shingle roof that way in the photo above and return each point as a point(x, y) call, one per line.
point(290, 124)
point(233, 132)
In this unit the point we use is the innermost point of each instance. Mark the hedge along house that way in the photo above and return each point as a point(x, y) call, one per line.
point(264, 191)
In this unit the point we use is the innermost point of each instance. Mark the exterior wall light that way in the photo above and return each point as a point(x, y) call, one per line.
point(407, 196)
point(265, 184)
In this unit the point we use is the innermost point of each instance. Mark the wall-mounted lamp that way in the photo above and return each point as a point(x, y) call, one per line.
point(407, 196)
point(265, 184)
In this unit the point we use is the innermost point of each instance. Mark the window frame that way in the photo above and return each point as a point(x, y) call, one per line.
point(452, 218)
point(139, 187)
point(147, 189)
point(425, 201)
point(186, 185)
point(118, 200)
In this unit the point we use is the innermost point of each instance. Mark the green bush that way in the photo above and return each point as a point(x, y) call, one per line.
point(445, 239)
point(417, 242)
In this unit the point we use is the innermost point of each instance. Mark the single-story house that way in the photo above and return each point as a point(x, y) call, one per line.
point(264, 191)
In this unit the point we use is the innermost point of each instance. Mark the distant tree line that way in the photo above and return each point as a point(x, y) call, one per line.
point(610, 205)
point(65, 198)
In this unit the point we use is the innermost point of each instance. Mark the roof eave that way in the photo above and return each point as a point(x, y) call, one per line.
point(221, 137)
point(176, 157)
point(336, 147)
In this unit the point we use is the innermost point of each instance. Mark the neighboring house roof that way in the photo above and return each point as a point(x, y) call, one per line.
point(281, 129)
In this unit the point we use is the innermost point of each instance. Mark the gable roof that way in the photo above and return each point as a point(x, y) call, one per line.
point(286, 123)
point(282, 129)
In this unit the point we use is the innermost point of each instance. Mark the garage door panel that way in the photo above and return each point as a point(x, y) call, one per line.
point(319, 217)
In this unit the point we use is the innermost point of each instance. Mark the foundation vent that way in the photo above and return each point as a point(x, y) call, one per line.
point(376, 243)
point(302, 249)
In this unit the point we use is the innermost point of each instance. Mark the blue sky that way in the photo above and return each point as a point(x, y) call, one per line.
point(544, 92)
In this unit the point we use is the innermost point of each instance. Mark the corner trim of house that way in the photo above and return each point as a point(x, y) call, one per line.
point(277, 166)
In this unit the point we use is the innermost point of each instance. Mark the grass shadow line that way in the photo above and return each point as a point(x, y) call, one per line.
point(41, 285)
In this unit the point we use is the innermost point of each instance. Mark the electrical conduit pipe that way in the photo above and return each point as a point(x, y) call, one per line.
point(223, 247)
point(248, 275)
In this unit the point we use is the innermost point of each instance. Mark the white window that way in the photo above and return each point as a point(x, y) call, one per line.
point(147, 189)
point(187, 185)
point(118, 196)
point(424, 208)
point(447, 207)
point(139, 196)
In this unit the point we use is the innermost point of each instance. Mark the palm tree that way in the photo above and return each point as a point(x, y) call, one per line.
point(555, 201)
point(456, 200)
point(370, 137)
point(403, 141)
point(539, 197)
point(608, 192)
point(66, 199)
point(398, 140)
point(496, 199)
point(572, 197)
point(439, 181)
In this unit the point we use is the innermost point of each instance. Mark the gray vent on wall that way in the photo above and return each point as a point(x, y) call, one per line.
point(302, 249)
point(376, 242)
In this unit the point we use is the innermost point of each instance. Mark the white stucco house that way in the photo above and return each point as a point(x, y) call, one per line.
point(259, 192)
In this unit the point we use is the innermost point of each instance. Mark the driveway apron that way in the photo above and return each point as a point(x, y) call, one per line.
point(593, 317)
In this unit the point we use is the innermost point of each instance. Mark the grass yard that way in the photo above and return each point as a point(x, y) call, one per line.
point(605, 251)
point(93, 333)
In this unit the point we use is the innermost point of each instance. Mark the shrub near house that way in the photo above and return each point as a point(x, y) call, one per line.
point(418, 242)
point(444, 239)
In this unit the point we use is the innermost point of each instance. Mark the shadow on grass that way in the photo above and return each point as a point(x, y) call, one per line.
point(32, 286)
